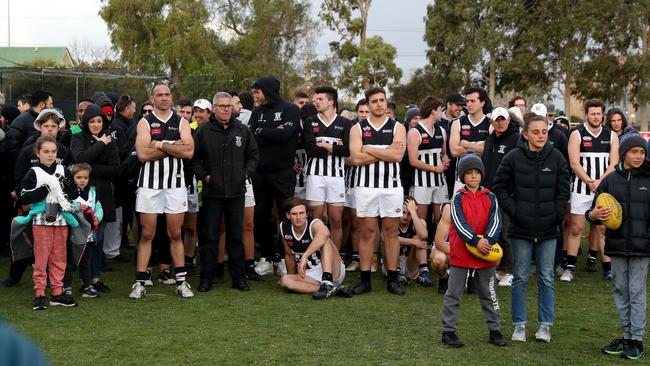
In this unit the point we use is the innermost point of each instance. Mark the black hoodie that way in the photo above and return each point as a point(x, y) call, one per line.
point(533, 189)
point(104, 160)
point(494, 151)
point(275, 126)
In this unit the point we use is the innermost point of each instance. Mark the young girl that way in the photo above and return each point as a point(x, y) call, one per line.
point(45, 187)
point(92, 210)
point(629, 245)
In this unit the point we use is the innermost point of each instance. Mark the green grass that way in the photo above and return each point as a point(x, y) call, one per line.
point(271, 327)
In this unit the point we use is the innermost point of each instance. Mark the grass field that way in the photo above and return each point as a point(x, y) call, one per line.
point(268, 326)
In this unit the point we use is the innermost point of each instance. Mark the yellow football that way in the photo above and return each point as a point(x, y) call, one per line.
point(494, 255)
point(614, 219)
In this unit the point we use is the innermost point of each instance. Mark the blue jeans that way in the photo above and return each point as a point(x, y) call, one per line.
point(630, 275)
point(522, 254)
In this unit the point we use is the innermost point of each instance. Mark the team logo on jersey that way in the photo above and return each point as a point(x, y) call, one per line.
point(465, 127)
point(502, 149)
point(238, 141)
point(314, 124)
point(367, 134)
point(587, 138)
point(287, 237)
point(278, 116)
point(155, 125)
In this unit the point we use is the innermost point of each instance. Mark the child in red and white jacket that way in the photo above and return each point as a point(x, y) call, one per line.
point(476, 220)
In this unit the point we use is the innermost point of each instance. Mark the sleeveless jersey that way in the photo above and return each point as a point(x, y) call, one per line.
point(332, 133)
point(167, 172)
point(380, 174)
point(298, 245)
point(408, 233)
point(300, 158)
point(430, 152)
point(469, 131)
point(594, 156)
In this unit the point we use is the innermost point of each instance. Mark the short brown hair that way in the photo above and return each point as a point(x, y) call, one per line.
point(292, 202)
point(511, 102)
point(374, 90)
point(76, 168)
point(594, 103)
point(42, 140)
point(428, 105)
point(533, 118)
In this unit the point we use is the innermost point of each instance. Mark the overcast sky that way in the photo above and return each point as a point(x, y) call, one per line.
point(62, 22)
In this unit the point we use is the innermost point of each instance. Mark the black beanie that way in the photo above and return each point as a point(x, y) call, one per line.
point(470, 160)
point(630, 140)
point(10, 113)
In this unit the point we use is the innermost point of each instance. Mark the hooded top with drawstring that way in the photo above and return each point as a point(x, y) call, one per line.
point(275, 126)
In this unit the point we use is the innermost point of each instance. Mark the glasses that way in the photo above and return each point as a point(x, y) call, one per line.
point(147, 111)
point(223, 106)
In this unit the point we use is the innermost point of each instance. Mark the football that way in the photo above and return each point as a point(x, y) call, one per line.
point(614, 219)
point(494, 255)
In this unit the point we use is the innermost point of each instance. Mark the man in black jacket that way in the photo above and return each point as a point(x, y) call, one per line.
point(275, 125)
point(23, 126)
point(225, 155)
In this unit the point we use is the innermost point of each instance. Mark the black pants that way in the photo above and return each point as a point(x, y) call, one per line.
point(269, 188)
point(84, 266)
point(17, 268)
point(232, 212)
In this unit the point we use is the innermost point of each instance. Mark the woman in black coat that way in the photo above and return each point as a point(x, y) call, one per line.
point(93, 145)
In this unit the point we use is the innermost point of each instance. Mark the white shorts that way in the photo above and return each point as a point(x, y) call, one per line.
point(580, 203)
point(379, 202)
point(249, 198)
point(316, 273)
point(171, 200)
point(325, 189)
point(349, 198)
point(193, 202)
point(300, 192)
point(429, 195)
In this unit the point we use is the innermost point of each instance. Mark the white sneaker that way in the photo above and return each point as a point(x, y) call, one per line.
point(506, 280)
point(543, 333)
point(184, 290)
point(567, 275)
point(353, 266)
point(137, 291)
point(263, 267)
point(282, 268)
point(148, 283)
point(519, 335)
point(559, 270)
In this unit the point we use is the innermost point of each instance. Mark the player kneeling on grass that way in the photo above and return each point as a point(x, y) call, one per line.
point(476, 220)
point(413, 246)
point(314, 265)
point(629, 245)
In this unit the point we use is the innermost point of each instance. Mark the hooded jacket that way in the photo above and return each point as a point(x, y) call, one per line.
point(275, 126)
point(21, 128)
point(613, 111)
point(104, 160)
point(631, 188)
point(227, 155)
point(533, 189)
point(496, 147)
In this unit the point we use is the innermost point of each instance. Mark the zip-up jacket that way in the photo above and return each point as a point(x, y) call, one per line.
point(533, 189)
point(496, 147)
point(472, 214)
point(227, 155)
point(631, 188)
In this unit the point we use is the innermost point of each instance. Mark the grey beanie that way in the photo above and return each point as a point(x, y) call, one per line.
point(412, 112)
point(470, 160)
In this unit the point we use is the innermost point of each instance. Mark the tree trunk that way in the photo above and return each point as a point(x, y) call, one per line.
point(364, 7)
point(492, 80)
point(643, 108)
point(568, 81)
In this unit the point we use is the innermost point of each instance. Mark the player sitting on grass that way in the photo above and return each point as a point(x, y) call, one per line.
point(440, 252)
point(413, 246)
point(314, 265)
point(629, 245)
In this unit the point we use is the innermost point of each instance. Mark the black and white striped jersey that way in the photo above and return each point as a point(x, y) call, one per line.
point(332, 132)
point(473, 132)
point(300, 158)
point(594, 156)
point(167, 172)
point(430, 151)
point(380, 174)
point(299, 244)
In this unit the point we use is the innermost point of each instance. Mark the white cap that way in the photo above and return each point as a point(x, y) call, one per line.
point(500, 112)
point(539, 109)
point(203, 104)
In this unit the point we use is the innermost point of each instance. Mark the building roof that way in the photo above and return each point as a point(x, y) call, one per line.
point(20, 56)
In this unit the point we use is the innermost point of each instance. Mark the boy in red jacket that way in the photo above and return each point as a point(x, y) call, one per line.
point(476, 220)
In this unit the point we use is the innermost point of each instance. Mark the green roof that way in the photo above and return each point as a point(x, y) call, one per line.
point(20, 56)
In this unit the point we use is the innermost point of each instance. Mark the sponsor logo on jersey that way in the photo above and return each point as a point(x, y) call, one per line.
point(586, 138)
point(367, 134)
point(387, 131)
point(278, 116)
point(155, 125)
point(465, 127)
point(156, 131)
point(338, 127)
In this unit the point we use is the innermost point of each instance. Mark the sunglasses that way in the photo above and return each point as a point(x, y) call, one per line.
point(147, 111)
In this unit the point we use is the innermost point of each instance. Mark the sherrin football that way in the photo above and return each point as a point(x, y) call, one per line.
point(614, 219)
point(494, 255)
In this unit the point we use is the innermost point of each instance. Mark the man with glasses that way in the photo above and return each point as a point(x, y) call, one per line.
point(275, 126)
point(225, 154)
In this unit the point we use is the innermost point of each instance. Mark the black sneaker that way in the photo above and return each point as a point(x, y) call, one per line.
point(590, 266)
point(89, 292)
point(496, 338)
point(166, 277)
point(325, 290)
point(451, 339)
point(252, 275)
point(101, 287)
point(615, 347)
point(633, 350)
point(62, 300)
point(443, 284)
point(395, 288)
point(343, 291)
point(361, 288)
point(39, 303)
point(218, 279)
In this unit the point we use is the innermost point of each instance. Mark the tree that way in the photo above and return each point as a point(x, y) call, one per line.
point(374, 66)
point(422, 83)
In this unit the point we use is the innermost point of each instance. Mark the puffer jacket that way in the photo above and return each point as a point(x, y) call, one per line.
point(631, 188)
point(533, 189)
